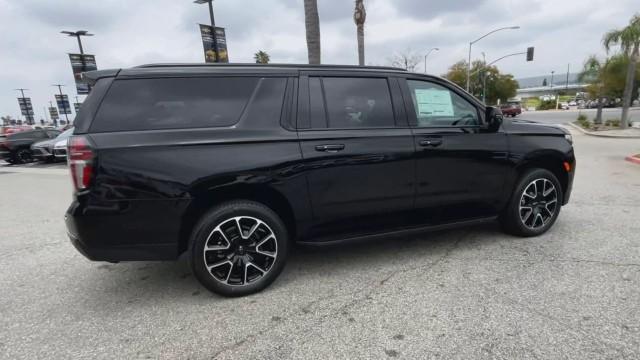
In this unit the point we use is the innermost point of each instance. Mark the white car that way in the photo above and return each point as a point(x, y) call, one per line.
point(564, 106)
point(60, 150)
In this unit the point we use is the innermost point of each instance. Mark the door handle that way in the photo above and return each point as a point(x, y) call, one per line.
point(431, 142)
point(332, 148)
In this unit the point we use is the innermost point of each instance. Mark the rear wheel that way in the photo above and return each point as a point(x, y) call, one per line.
point(23, 156)
point(238, 248)
point(535, 204)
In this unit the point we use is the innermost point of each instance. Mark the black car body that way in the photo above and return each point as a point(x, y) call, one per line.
point(16, 148)
point(324, 153)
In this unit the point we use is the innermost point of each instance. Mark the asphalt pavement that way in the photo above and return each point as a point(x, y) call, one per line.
point(567, 116)
point(472, 293)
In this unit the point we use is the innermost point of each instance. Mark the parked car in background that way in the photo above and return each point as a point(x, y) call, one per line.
point(573, 103)
point(16, 148)
point(8, 130)
point(46, 150)
point(230, 165)
point(563, 106)
point(511, 109)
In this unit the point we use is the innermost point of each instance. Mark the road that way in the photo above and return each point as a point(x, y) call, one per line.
point(472, 293)
point(567, 116)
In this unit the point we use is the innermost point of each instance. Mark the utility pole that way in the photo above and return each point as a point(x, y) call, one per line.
point(64, 105)
point(426, 56)
point(567, 83)
point(53, 120)
point(213, 24)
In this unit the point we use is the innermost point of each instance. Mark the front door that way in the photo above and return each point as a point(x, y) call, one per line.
point(460, 166)
point(357, 153)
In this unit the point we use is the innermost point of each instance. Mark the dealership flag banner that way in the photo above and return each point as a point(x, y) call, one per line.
point(26, 108)
point(77, 107)
point(81, 63)
point(53, 113)
point(63, 104)
point(210, 53)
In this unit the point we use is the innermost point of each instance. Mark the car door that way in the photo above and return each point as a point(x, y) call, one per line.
point(357, 149)
point(460, 165)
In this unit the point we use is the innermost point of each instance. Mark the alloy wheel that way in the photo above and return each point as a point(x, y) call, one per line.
point(538, 203)
point(240, 251)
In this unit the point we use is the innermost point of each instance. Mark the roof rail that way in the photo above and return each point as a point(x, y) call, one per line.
point(304, 66)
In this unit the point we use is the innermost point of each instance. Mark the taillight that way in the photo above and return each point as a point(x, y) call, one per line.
point(81, 161)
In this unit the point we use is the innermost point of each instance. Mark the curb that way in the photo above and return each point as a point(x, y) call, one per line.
point(591, 133)
point(633, 158)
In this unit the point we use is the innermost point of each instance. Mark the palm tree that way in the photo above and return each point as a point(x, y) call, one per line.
point(629, 40)
point(261, 57)
point(312, 25)
point(359, 16)
point(593, 74)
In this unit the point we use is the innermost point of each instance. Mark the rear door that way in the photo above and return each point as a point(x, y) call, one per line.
point(357, 150)
point(460, 166)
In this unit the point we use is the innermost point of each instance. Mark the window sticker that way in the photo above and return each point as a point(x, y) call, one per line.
point(434, 102)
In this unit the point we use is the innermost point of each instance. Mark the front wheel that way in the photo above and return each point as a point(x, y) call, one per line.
point(23, 156)
point(535, 205)
point(238, 248)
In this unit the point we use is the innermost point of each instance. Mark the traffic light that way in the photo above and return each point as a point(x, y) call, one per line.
point(530, 53)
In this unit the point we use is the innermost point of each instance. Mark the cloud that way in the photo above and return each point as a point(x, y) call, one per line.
point(129, 33)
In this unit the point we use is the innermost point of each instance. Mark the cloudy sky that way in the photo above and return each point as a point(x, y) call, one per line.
point(129, 33)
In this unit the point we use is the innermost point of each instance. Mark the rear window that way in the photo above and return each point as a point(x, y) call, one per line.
point(173, 103)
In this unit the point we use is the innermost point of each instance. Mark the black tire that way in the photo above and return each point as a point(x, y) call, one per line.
point(216, 226)
point(23, 156)
point(513, 218)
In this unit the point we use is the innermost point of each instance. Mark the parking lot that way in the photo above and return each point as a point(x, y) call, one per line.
point(469, 293)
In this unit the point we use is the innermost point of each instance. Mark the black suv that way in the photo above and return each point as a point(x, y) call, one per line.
point(231, 164)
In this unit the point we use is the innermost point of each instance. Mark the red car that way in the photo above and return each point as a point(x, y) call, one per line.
point(512, 110)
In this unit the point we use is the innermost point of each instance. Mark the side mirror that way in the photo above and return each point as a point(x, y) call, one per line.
point(493, 118)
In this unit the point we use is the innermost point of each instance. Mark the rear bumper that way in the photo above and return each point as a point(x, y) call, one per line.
point(102, 234)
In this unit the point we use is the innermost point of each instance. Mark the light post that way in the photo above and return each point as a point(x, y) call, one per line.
point(213, 23)
point(64, 105)
point(78, 34)
point(29, 118)
point(484, 77)
point(426, 56)
point(478, 39)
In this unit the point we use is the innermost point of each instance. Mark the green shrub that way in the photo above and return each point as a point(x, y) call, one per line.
point(583, 122)
point(612, 123)
point(582, 117)
point(547, 105)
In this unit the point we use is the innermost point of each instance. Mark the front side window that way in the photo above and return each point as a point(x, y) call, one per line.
point(358, 102)
point(435, 105)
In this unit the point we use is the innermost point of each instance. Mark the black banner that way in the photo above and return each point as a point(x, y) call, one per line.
point(79, 64)
point(26, 108)
point(53, 113)
point(211, 54)
point(77, 106)
point(63, 104)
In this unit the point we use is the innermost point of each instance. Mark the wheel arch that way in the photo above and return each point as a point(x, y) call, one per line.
point(263, 194)
point(549, 160)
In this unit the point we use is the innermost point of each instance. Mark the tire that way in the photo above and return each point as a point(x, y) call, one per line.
point(238, 263)
point(23, 156)
point(527, 215)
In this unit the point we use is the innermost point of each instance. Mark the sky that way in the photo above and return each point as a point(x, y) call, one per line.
point(130, 33)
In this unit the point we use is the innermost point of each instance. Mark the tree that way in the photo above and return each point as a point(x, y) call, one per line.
point(261, 57)
point(498, 86)
point(359, 17)
point(407, 60)
point(628, 39)
point(6, 120)
point(592, 73)
point(312, 25)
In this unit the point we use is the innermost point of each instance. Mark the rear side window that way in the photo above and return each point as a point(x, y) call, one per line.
point(358, 102)
point(173, 103)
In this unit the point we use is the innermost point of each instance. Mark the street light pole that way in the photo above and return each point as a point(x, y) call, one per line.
point(77, 35)
point(484, 78)
point(64, 105)
point(475, 41)
point(427, 55)
point(27, 117)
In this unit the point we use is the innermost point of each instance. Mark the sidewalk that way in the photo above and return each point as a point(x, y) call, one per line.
point(631, 133)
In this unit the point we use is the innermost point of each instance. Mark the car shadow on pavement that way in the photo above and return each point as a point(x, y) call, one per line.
point(132, 283)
